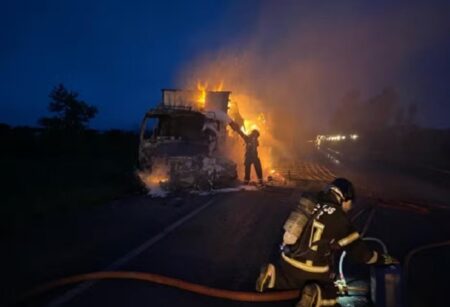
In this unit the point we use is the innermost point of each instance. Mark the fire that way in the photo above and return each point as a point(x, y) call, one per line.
point(202, 87)
point(219, 87)
point(248, 112)
point(245, 111)
point(157, 177)
point(276, 176)
point(250, 125)
point(153, 180)
point(257, 122)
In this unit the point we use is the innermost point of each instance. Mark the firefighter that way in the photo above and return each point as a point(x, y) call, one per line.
point(251, 156)
point(251, 152)
point(313, 232)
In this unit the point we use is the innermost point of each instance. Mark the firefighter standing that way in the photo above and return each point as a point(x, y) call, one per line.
point(251, 156)
point(251, 153)
point(313, 232)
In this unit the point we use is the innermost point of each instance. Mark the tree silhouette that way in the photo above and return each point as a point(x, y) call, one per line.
point(72, 114)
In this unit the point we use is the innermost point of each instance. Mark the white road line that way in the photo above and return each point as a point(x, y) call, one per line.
point(70, 294)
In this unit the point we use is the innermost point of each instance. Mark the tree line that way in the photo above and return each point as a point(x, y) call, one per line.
point(66, 131)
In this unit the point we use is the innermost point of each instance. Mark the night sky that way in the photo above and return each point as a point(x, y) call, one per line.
point(119, 54)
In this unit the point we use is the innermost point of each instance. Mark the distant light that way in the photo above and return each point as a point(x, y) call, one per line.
point(334, 138)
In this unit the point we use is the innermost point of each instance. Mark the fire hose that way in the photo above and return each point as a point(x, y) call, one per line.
point(171, 282)
point(365, 228)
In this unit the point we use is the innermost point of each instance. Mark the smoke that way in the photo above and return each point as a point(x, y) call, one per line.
point(301, 59)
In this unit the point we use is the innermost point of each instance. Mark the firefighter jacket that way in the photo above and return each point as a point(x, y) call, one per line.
point(251, 148)
point(326, 230)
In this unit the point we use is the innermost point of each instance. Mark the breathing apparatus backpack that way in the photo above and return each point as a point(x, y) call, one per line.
point(298, 221)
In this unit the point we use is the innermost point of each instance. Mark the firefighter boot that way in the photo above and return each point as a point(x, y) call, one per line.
point(266, 278)
point(310, 296)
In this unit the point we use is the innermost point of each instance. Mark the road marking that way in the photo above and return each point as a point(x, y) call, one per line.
point(70, 294)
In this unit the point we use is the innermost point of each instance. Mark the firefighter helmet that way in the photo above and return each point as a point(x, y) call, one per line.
point(255, 133)
point(344, 188)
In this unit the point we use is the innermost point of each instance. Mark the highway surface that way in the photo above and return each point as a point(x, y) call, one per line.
point(220, 240)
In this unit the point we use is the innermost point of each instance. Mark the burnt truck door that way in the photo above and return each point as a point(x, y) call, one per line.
point(147, 135)
point(148, 129)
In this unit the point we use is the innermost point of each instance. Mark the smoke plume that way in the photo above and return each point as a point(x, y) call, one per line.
point(301, 59)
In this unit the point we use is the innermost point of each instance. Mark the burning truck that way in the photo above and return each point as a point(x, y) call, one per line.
point(183, 142)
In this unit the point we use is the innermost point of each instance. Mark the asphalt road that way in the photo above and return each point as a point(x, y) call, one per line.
point(216, 240)
point(222, 246)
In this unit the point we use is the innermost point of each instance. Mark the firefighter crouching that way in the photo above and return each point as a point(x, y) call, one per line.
point(316, 229)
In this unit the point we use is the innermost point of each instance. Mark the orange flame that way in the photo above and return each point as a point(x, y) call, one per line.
point(247, 112)
point(258, 123)
point(158, 176)
point(219, 87)
point(202, 87)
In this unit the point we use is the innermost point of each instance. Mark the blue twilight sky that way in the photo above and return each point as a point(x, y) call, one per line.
point(119, 54)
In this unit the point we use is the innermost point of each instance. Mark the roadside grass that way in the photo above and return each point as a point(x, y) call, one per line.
point(38, 187)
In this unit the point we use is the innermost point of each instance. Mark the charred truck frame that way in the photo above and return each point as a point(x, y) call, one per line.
point(185, 146)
